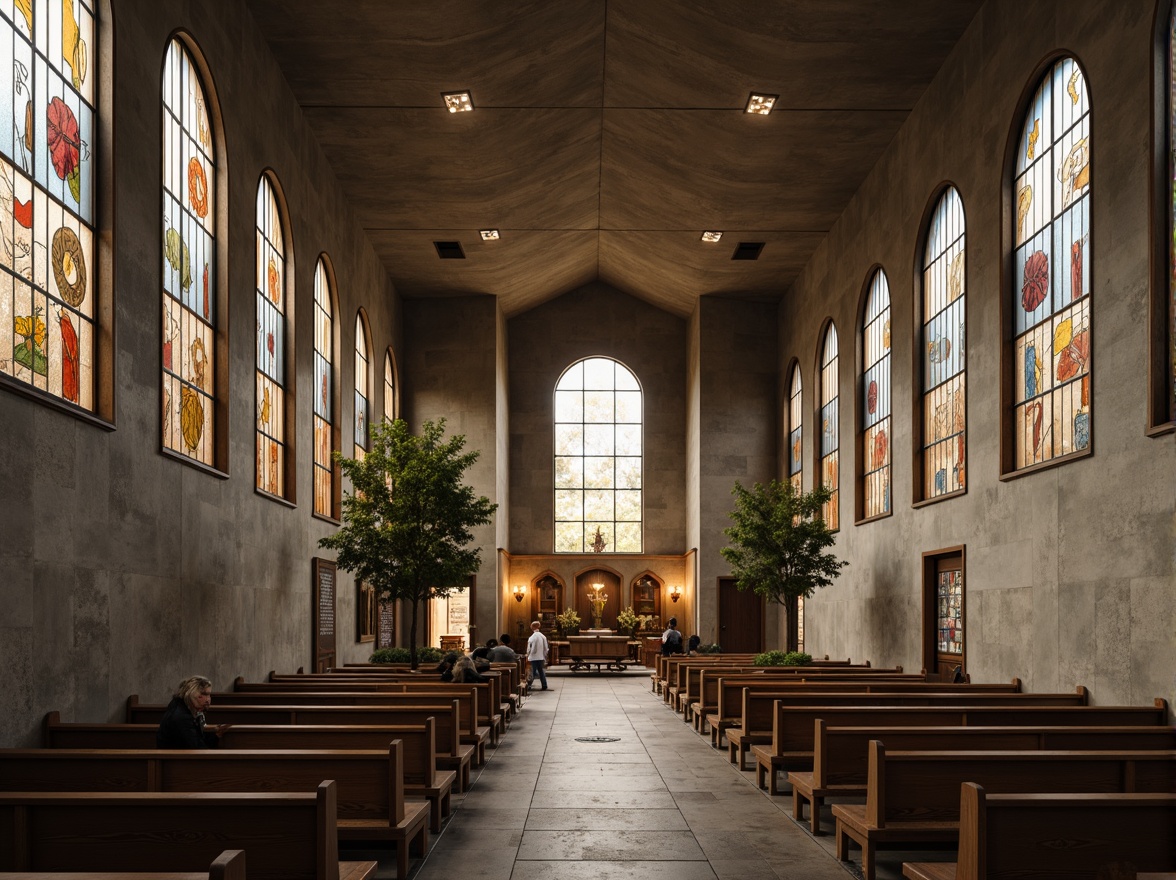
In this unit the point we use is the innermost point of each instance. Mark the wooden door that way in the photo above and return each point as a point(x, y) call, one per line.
point(944, 605)
point(741, 619)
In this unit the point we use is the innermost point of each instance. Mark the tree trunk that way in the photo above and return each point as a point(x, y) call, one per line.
point(412, 633)
point(793, 638)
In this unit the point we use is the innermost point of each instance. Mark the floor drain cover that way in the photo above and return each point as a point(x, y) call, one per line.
point(598, 739)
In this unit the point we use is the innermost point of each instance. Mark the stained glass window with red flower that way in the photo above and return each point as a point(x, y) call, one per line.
point(830, 428)
point(1051, 271)
point(270, 293)
point(324, 393)
point(47, 298)
point(944, 359)
point(189, 262)
point(874, 460)
point(795, 427)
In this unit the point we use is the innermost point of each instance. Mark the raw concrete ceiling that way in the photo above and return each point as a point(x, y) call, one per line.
point(607, 134)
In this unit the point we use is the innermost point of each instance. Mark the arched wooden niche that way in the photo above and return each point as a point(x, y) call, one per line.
point(547, 600)
point(612, 587)
point(646, 593)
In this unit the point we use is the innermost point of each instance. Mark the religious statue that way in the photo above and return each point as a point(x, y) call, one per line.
point(598, 541)
point(598, 597)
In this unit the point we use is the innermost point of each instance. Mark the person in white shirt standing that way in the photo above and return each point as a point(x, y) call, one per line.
point(537, 650)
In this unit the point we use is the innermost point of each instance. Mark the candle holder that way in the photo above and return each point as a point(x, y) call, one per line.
point(598, 598)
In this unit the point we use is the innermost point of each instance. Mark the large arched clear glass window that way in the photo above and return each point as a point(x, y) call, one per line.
point(1051, 269)
point(389, 387)
point(362, 386)
point(190, 297)
point(270, 349)
point(874, 394)
point(944, 355)
point(795, 431)
point(598, 427)
point(47, 297)
point(830, 429)
point(324, 392)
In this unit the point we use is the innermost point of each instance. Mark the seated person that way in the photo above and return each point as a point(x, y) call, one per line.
point(692, 645)
point(182, 726)
point(503, 652)
point(465, 672)
point(482, 651)
point(445, 667)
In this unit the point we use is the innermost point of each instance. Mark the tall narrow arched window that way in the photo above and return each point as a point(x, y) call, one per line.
point(362, 386)
point(944, 356)
point(1168, 407)
point(48, 308)
point(270, 348)
point(795, 428)
point(1051, 303)
point(190, 297)
point(830, 428)
point(598, 426)
point(324, 392)
point(874, 394)
point(389, 387)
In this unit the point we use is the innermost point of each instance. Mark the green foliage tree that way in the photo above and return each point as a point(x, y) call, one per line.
point(778, 546)
point(408, 519)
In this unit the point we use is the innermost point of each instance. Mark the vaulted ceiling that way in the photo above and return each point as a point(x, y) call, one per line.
point(607, 135)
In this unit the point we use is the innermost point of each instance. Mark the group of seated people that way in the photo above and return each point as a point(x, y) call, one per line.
point(469, 668)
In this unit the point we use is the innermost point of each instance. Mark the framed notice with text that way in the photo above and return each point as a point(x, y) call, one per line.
point(322, 598)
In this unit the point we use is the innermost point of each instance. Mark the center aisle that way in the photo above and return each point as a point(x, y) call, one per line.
point(659, 802)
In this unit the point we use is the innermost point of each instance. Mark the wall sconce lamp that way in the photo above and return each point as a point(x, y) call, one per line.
point(675, 593)
point(519, 592)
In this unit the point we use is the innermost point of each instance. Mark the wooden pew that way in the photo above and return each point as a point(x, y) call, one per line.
point(287, 835)
point(758, 715)
point(914, 797)
point(229, 865)
point(793, 726)
point(370, 784)
point(1079, 836)
point(841, 754)
point(452, 753)
point(423, 777)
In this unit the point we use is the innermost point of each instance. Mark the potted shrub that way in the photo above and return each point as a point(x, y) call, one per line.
point(628, 622)
point(568, 622)
point(783, 658)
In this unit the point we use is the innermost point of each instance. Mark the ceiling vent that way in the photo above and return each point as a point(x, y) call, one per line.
point(451, 250)
point(747, 250)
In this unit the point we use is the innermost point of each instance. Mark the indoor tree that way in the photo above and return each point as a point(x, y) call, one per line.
point(778, 545)
point(407, 521)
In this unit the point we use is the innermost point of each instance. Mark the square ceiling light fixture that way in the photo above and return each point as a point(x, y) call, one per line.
point(458, 102)
point(711, 236)
point(489, 234)
point(761, 105)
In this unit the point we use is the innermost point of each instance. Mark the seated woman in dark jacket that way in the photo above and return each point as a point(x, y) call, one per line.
point(182, 726)
point(464, 671)
point(445, 667)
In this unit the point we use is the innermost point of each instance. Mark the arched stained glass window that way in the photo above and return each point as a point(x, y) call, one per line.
point(830, 428)
point(362, 387)
point(389, 387)
point(875, 399)
point(270, 282)
point(189, 262)
point(324, 392)
point(598, 427)
point(795, 428)
point(1051, 270)
point(944, 354)
point(47, 297)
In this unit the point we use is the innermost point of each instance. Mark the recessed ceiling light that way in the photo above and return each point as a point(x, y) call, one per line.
point(711, 236)
point(760, 104)
point(489, 234)
point(458, 102)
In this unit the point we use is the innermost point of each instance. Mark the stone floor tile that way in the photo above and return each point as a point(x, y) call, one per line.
point(610, 846)
point(632, 870)
point(643, 819)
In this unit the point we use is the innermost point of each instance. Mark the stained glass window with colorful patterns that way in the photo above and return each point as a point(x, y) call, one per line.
point(389, 388)
point(598, 428)
point(270, 283)
point(324, 394)
point(189, 261)
point(830, 432)
point(47, 298)
point(795, 427)
point(944, 355)
point(875, 398)
point(1051, 270)
point(950, 593)
point(362, 384)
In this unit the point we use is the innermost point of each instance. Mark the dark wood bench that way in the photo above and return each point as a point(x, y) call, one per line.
point(287, 836)
point(607, 651)
point(841, 754)
point(1079, 836)
point(913, 798)
point(369, 784)
point(229, 865)
point(452, 753)
point(423, 773)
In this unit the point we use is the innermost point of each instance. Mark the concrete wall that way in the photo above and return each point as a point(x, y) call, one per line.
point(1071, 571)
point(122, 570)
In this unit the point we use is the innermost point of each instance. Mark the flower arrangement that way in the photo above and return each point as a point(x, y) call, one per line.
point(628, 621)
point(568, 621)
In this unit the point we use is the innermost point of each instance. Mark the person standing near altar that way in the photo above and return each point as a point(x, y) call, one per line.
point(537, 650)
